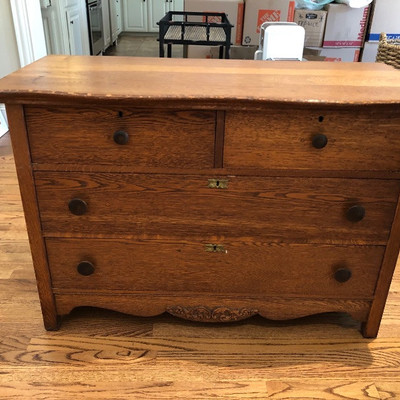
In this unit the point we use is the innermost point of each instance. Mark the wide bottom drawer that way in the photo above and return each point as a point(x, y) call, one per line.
point(198, 267)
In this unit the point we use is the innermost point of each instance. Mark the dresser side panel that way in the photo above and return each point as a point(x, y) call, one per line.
point(371, 327)
point(22, 158)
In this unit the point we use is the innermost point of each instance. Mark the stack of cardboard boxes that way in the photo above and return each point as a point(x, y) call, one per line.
point(234, 10)
point(335, 33)
point(247, 24)
point(385, 17)
point(343, 34)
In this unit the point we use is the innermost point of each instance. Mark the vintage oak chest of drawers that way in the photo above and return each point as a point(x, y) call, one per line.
point(211, 189)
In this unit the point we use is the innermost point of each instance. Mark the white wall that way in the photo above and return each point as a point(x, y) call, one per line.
point(29, 33)
point(8, 44)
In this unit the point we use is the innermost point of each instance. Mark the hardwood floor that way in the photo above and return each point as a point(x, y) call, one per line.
point(100, 354)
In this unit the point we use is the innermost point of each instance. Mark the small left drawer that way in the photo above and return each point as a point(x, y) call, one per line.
point(119, 136)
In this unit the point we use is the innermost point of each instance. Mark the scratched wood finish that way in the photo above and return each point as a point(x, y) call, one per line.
point(363, 174)
point(156, 138)
point(207, 83)
point(280, 209)
point(271, 140)
point(172, 267)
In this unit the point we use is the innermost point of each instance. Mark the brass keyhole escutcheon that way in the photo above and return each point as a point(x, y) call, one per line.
point(218, 183)
point(215, 248)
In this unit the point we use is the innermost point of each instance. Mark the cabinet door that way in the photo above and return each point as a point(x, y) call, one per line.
point(119, 16)
point(52, 30)
point(113, 20)
point(74, 31)
point(135, 15)
point(106, 24)
point(157, 9)
point(176, 5)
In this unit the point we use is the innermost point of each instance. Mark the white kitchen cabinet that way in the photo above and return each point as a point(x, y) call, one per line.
point(115, 19)
point(143, 15)
point(119, 16)
point(51, 27)
point(176, 5)
point(66, 27)
point(106, 23)
point(156, 9)
point(74, 31)
point(135, 15)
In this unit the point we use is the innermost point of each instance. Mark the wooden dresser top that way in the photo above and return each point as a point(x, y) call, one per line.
point(68, 79)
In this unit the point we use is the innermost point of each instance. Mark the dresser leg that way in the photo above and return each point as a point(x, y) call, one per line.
point(369, 329)
point(52, 323)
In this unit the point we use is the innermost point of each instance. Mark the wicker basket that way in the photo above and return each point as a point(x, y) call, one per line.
point(389, 51)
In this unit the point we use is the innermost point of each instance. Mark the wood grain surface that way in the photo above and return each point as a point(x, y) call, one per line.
point(172, 267)
point(275, 209)
point(207, 83)
point(104, 354)
point(157, 138)
point(278, 139)
point(249, 171)
point(200, 305)
point(28, 193)
point(371, 327)
point(101, 354)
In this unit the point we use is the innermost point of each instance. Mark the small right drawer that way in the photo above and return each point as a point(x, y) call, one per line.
point(336, 140)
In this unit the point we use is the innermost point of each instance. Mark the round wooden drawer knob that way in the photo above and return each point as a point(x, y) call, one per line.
point(85, 268)
point(355, 213)
point(121, 137)
point(77, 206)
point(342, 275)
point(319, 141)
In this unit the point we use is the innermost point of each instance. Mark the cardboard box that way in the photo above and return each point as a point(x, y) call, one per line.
point(385, 18)
point(345, 26)
point(313, 23)
point(200, 51)
point(348, 54)
point(370, 51)
point(236, 52)
point(234, 9)
point(259, 11)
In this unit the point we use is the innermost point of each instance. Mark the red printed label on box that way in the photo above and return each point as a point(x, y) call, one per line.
point(267, 16)
point(290, 15)
point(342, 43)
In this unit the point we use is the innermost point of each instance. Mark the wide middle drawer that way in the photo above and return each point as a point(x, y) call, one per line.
point(318, 210)
point(127, 137)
